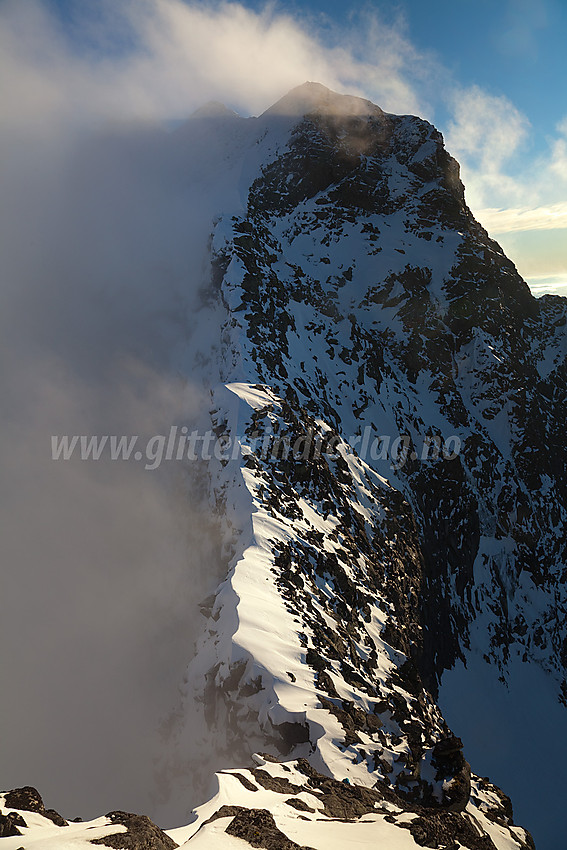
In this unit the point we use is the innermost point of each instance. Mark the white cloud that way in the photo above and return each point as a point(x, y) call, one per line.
point(509, 190)
point(559, 152)
point(553, 217)
point(485, 132)
point(486, 127)
point(187, 53)
point(504, 182)
point(548, 284)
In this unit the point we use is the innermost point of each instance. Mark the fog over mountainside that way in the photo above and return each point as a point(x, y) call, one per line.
point(100, 262)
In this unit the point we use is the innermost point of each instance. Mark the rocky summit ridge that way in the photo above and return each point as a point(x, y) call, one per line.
point(390, 401)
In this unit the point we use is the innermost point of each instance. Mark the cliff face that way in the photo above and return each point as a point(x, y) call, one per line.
point(390, 483)
point(398, 395)
point(371, 297)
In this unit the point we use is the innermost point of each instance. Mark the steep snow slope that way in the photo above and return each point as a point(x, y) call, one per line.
point(391, 485)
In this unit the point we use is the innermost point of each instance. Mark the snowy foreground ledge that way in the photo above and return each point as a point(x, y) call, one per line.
point(279, 806)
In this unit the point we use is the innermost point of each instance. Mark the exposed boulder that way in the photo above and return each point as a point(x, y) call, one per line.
point(258, 828)
point(28, 799)
point(442, 778)
point(454, 772)
point(9, 824)
point(142, 834)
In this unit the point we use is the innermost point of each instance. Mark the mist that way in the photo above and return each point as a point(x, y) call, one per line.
point(103, 244)
point(103, 562)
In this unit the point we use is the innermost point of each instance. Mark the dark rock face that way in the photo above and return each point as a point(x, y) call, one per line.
point(436, 828)
point(9, 824)
point(142, 834)
point(443, 777)
point(448, 831)
point(28, 799)
point(452, 768)
point(258, 828)
point(472, 335)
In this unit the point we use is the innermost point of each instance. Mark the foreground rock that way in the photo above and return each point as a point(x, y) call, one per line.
point(141, 834)
point(23, 814)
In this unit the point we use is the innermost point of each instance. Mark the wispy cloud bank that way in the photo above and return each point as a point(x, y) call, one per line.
point(486, 132)
point(497, 221)
point(559, 153)
point(508, 189)
point(506, 186)
point(486, 128)
point(549, 284)
point(162, 58)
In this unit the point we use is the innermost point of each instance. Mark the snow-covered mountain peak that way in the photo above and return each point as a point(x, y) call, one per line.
point(313, 97)
point(214, 109)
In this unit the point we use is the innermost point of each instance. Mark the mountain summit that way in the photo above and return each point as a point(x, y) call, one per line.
point(311, 97)
point(390, 486)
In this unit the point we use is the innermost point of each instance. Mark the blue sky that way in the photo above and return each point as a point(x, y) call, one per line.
point(511, 47)
point(489, 73)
